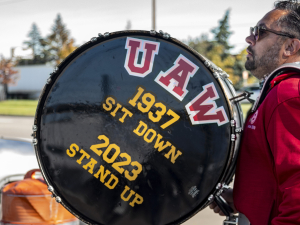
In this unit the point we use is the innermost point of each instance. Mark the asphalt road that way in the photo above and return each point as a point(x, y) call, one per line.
point(21, 127)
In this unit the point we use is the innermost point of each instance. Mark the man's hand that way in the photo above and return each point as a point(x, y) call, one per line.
point(227, 195)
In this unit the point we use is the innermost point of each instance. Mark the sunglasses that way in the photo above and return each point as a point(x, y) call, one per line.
point(257, 31)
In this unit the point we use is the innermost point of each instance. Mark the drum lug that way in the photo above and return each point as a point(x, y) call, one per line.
point(55, 70)
point(93, 39)
point(233, 123)
point(58, 199)
point(217, 75)
point(165, 35)
point(51, 189)
point(152, 32)
point(210, 198)
point(238, 130)
point(106, 34)
point(100, 35)
point(34, 141)
point(219, 186)
point(233, 137)
point(34, 128)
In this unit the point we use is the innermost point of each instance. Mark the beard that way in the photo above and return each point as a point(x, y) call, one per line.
point(261, 66)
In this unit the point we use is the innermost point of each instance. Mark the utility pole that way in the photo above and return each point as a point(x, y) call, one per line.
point(153, 15)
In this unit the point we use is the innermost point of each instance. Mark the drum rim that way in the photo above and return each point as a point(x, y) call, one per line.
point(228, 170)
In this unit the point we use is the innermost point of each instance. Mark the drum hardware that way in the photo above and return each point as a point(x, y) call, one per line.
point(217, 75)
point(244, 95)
point(233, 137)
point(221, 188)
point(56, 69)
point(34, 141)
point(58, 199)
point(100, 35)
point(164, 34)
point(48, 81)
point(238, 130)
point(93, 39)
point(152, 32)
point(233, 123)
point(51, 189)
point(34, 128)
point(106, 34)
point(210, 198)
point(227, 210)
point(231, 220)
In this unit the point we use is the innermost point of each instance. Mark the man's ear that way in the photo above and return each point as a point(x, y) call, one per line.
point(291, 47)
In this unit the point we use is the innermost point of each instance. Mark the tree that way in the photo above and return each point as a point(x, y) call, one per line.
point(59, 42)
point(200, 44)
point(222, 34)
point(39, 46)
point(34, 42)
point(7, 74)
point(218, 49)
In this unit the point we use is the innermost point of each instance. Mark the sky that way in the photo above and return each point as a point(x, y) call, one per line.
point(86, 18)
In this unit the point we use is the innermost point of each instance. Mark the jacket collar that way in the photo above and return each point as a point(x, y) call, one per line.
point(278, 71)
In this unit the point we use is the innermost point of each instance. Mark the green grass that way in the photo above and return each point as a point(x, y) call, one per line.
point(18, 107)
point(27, 107)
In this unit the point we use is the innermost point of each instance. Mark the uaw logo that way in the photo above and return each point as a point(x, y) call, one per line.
point(202, 109)
point(252, 120)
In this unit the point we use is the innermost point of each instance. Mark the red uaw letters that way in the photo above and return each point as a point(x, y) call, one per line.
point(149, 50)
point(177, 77)
point(203, 108)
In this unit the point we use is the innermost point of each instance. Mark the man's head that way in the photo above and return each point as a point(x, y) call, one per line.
point(276, 41)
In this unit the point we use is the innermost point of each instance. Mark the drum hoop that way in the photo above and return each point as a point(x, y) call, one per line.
point(228, 170)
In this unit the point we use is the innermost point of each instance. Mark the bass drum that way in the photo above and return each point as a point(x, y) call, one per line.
point(136, 128)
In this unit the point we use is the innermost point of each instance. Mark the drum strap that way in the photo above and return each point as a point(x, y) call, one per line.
point(288, 67)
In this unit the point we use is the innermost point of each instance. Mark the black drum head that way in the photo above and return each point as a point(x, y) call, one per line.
point(133, 129)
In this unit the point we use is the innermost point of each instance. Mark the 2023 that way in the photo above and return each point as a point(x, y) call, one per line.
point(130, 175)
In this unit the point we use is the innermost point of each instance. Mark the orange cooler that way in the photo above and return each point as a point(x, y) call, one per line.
point(29, 202)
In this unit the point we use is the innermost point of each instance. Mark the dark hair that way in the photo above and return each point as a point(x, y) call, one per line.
point(291, 21)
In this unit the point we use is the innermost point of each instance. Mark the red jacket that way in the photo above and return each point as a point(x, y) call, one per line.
point(267, 181)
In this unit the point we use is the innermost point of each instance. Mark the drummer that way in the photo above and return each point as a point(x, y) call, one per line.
point(267, 181)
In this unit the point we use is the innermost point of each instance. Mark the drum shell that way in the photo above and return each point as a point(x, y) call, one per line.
point(233, 114)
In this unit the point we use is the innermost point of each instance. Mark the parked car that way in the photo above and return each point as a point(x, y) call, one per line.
point(254, 88)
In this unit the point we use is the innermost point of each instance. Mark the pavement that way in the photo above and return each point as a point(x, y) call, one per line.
point(21, 127)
